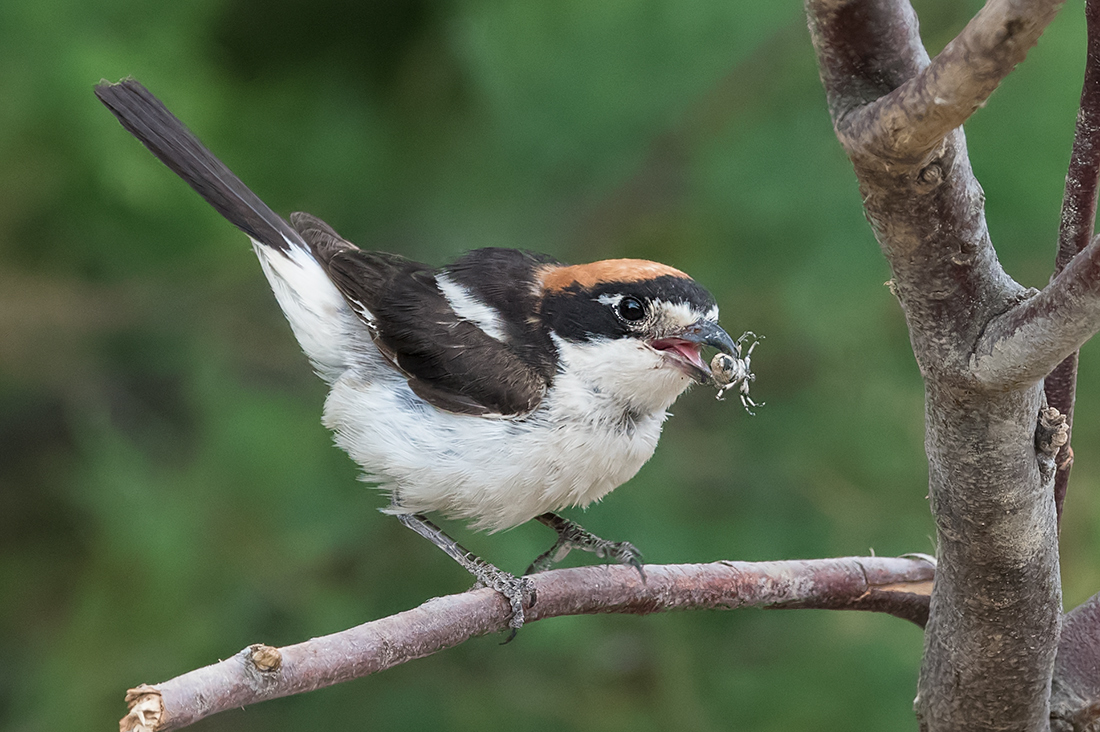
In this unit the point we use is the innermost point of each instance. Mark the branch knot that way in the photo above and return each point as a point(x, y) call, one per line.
point(1051, 432)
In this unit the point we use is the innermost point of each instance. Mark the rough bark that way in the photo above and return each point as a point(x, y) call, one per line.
point(898, 586)
point(982, 341)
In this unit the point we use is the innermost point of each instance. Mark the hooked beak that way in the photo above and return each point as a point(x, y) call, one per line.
point(685, 348)
point(709, 333)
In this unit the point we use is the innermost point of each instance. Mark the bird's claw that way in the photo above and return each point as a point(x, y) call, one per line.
point(624, 553)
point(518, 591)
point(572, 536)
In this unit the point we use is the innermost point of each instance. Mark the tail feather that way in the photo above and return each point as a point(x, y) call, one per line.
point(328, 331)
point(145, 117)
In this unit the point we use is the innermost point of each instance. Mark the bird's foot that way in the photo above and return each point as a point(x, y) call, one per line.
point(518, 591)
point(573, 536)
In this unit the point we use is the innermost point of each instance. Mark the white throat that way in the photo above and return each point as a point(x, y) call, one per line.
point(622, 372)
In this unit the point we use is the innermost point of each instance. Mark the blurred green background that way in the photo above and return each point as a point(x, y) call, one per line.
point(167, 494)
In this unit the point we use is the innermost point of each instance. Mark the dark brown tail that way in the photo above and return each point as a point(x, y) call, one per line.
point(177, 147)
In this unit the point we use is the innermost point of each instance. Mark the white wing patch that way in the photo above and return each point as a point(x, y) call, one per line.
point(468, 308)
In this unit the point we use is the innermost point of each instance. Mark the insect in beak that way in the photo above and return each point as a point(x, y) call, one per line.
point(728, 370)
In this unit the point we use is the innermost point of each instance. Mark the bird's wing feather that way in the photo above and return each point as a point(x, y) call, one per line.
point(449, 362)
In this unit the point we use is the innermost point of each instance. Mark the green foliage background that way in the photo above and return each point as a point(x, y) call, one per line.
point(167, 494)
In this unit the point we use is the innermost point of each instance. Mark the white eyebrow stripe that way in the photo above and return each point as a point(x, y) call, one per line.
point(468, 308)
point(672, 314)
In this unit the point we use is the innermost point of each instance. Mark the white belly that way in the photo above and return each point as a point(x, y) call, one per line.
point(574, 449)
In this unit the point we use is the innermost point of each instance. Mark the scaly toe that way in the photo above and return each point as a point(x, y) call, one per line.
point(516, 590)
point(627, 553)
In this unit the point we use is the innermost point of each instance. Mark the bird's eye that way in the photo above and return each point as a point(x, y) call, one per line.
point(631, 308)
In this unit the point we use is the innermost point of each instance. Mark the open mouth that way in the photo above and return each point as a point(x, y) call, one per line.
point(685, 355)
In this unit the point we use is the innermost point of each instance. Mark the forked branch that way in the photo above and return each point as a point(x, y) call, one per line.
point(983, 343)
point(886, 98)
point(1027, 342)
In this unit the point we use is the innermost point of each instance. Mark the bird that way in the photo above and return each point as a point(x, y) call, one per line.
point(498, 389)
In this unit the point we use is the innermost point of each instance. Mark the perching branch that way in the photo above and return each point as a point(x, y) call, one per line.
point(898, 586)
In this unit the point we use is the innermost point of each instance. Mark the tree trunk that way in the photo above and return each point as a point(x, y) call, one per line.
point(983, 343)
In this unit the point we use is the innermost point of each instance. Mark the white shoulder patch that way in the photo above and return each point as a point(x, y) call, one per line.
point(468, 308)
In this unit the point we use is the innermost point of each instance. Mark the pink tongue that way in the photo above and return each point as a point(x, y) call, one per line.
point(687, 349)
point(691, 350)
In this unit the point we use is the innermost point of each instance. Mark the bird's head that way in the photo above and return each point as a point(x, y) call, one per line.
point(632, 328)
